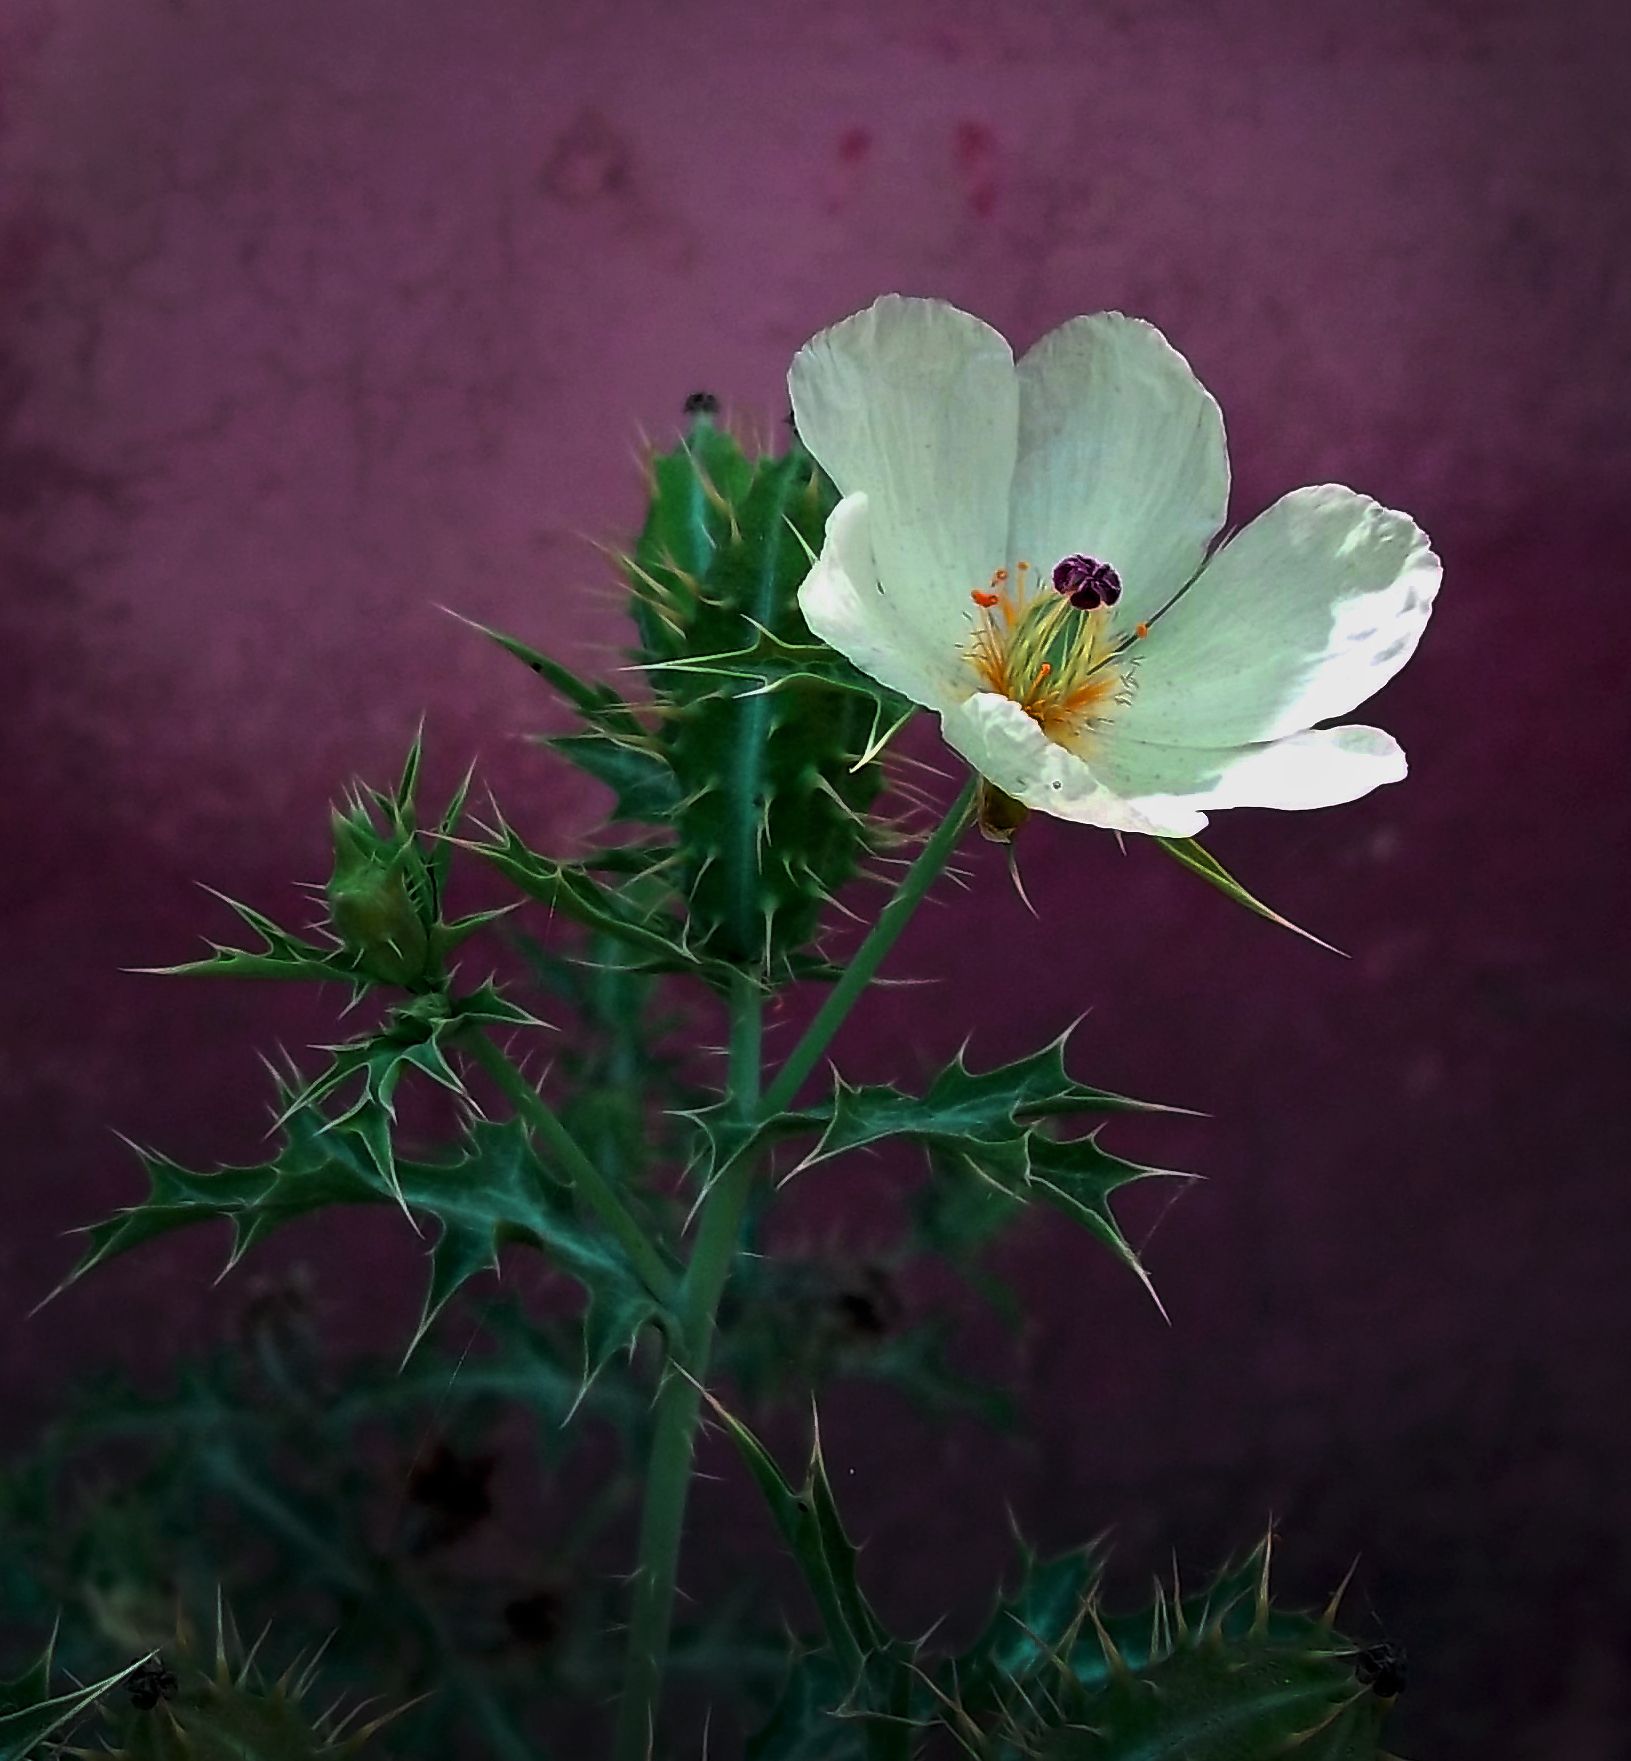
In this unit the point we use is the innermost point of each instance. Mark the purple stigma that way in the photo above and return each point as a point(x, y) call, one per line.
point(1086, 582)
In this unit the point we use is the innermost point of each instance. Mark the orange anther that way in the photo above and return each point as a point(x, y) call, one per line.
point(1024, 565)
point(1000, 575)
point(985, 600)
point(1043, 671)
point(1141, 631)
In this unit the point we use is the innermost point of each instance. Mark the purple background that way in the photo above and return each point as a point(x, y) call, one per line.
point(314, 316)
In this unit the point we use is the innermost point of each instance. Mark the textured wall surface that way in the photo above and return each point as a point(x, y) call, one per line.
point(316, 315)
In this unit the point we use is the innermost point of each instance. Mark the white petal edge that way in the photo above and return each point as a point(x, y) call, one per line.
point(1121, 457)
point(1300, 617)
point(846, 605)
point(1007, 748)
point(1319, 769)
point(915, 404)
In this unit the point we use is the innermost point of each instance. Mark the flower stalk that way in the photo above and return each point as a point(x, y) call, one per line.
point(718, 1236)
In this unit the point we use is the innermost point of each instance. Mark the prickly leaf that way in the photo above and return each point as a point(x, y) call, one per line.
point(491, 1191)
point(30, 1712)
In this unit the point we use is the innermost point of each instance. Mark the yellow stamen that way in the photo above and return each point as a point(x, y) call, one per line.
point(1053, 659)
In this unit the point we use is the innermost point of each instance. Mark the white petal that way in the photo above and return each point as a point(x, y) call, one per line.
point(845, 604)
point(1318, 769)
point(1121, 457)
point(915, 405)
point(1006, 747)
point(1300, 617)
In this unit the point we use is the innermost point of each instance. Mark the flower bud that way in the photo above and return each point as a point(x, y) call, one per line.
point(370, 904)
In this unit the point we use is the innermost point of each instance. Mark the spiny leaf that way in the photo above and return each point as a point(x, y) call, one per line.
point(439, 858)
point(961, 1106)
point(30, 1712)
point(519, 1363)
point(414, 1038)
point(597, 702)
point(808, 1518)
point(493, 1190)
point(1202, 862)
point(1030, 1623)
point(637, 775)
point(281, 955)
point(808, 1721)
point(985, 1135)
point(654, 935)
point(1076, 1176)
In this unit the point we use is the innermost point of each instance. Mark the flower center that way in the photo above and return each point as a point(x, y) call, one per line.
point(1052, 651)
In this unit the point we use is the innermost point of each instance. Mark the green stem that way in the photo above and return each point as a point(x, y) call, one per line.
point(668, 1480)
point(718, 1238)
point(587, 1180)
point(869, 956)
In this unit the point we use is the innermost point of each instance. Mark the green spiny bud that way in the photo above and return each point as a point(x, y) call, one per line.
point(1217, 1676)
point(763, 751)
point(371, 900)
point(183, 1707)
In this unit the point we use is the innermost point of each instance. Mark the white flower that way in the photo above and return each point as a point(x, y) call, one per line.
point(1026, 549)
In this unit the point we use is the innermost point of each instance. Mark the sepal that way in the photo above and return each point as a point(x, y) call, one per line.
point(1189, 854)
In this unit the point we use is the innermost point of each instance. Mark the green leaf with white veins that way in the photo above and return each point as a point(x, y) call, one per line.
point(961, 1106)
point(991, 1131)
point(415, 1037)
point(492, 1191)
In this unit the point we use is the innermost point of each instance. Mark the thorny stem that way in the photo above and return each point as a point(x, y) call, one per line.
point(869, 956)
point(718, 1240)
point(668, 1479)
point(587, 1180)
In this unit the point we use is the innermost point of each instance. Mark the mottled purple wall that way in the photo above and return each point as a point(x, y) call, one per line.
point(316, 314)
